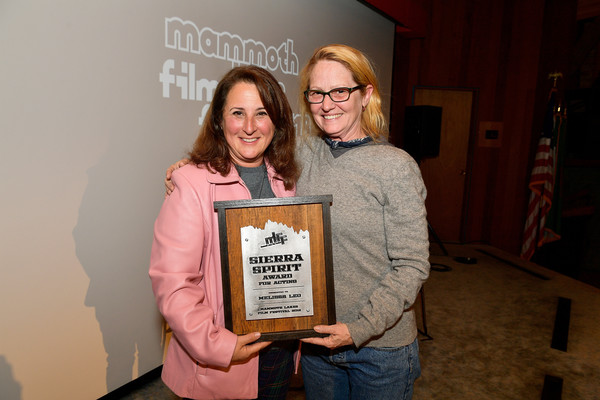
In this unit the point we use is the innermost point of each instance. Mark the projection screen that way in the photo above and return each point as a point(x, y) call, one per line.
point(98, 98)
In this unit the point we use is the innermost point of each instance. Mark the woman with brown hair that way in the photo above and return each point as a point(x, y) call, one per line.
point(245, 150)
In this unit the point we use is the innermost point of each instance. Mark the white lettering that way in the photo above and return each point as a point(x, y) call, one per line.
point(185, 79)
point(185, 36)
point(166, 77)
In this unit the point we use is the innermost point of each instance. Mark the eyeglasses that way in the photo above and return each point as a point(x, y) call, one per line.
point(338, 95)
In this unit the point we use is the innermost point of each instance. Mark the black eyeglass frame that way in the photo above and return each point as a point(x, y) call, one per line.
point(350, 90)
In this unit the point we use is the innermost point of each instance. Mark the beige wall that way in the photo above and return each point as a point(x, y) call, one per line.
point(86, 137)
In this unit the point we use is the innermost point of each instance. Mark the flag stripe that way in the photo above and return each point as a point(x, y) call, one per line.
point(540, 201)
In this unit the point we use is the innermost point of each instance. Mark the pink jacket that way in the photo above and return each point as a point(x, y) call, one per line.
point(185, 269)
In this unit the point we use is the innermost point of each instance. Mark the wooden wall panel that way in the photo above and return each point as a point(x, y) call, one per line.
point(511, 192)
point(494, 48)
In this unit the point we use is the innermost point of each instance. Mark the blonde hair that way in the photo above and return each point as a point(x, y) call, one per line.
point(373, 122)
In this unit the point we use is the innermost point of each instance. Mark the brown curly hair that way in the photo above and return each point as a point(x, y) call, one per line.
point(211, 148)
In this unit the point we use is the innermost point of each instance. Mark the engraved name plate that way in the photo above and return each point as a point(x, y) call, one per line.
point(277, 272)
point(276, 266)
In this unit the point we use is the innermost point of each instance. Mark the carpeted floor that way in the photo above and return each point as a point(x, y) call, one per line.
point(495, 329)
point(494, 325)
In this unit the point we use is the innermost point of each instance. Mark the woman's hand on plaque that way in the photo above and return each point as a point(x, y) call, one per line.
point(339, 336)
point(247, 347)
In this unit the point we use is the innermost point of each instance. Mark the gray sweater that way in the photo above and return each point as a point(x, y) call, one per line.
point(379, 236)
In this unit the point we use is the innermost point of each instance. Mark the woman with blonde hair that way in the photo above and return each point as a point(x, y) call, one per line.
point(379, 233)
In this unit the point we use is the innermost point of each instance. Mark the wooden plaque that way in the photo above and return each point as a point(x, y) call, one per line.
point(276, 266)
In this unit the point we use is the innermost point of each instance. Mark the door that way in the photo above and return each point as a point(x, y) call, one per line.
point(445, 176)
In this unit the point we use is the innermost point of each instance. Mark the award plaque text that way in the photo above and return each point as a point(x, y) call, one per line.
point(276, 266)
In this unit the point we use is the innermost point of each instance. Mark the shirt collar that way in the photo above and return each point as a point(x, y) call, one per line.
point(334, 144)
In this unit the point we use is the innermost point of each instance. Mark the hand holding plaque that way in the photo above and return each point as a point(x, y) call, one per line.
point(276, 264)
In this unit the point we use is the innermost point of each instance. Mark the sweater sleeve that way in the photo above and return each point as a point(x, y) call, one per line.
point(407, 246)
point(178, 279)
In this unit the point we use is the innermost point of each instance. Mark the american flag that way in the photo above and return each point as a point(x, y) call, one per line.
point(541, 184)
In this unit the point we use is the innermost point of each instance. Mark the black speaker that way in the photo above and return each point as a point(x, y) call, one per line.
point(422, 130)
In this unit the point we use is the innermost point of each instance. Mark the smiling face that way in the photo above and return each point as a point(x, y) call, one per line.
point(247, 127)
point(340, 121)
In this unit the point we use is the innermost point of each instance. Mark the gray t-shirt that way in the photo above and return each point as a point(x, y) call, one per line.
point(257, 181)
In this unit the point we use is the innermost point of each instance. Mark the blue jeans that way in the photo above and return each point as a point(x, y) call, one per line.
point(367, 373)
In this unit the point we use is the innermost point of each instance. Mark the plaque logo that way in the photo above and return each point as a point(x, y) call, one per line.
point(275, 238)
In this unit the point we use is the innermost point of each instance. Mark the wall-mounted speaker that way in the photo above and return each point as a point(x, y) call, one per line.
point(422, 130)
